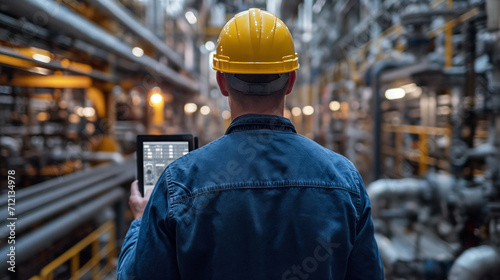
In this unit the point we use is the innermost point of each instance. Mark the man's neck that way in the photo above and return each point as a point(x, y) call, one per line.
point(237, 111)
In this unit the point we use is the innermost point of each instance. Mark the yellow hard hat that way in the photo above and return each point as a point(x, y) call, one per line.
point(255, 42)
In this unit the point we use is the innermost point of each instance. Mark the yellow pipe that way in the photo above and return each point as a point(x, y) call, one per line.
point(13, 61)
point(97, 97)
point(54, 81)
point(415, 129)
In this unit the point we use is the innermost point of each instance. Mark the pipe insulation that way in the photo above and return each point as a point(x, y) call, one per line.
point(30, 244)
point(476, 263)
point(58, 17)
point(392, 188)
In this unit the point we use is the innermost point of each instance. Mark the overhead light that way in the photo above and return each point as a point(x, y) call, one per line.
point(395, 93)
point(226, 114)
point(296, 111)
point(334, 105)
point(210, 46)
point(191, 17)
point(190, 108)
point(308, 110)
point(412, 89)
point(88, 112)
point(137, 51)
point(41, 57)
point(205, 110)
point(79, 111)
point(39, 70)
point(156, 98)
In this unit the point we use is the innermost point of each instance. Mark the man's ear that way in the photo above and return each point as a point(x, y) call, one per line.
point(291, 82)
point(221, 81)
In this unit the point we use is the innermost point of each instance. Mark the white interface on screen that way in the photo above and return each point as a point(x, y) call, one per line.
point(157, 155)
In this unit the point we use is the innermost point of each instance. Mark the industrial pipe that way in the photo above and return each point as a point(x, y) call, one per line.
point(99, 172)
point(62, 19)
point(476, 263)
point(375, 84)
point(30, 244)
point(120, 14)
point(90, 156)
point(390, 188)
point(23, 206)
point(58, 205)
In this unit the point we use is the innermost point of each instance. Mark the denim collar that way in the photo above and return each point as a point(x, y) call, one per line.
point(258, 121)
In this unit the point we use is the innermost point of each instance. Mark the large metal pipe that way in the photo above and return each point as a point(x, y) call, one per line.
point(59, 18)
point(90, 156)
point(26, 205)
point(99, 172)
point(375, 84)
point(391, 188)
point(476, 263)
point(120, 14)
point(58, 205)
point(32, 243)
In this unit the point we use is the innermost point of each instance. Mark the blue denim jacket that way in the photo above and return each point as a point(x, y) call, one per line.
point(261, 202)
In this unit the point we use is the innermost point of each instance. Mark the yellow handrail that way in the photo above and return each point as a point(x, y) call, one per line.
point(108, 253)
point(416, 129)
point(422, 157)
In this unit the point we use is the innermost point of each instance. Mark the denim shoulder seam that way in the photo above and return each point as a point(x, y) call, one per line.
point(358, 186)
point(261, 185)
point(170, 195)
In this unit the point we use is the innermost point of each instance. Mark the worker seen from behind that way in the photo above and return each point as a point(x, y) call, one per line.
point(261, 202)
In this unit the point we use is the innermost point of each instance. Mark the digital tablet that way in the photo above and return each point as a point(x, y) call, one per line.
point(155, 152)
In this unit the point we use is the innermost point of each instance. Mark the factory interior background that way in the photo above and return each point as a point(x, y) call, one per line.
point(408, 90)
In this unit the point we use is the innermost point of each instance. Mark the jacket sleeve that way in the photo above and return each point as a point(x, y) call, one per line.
point(127, 254)
point(148, 251)
point(365, 261)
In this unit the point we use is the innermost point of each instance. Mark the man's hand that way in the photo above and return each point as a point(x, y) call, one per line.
point(136, 202)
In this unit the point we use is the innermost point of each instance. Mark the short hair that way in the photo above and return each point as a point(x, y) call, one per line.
point(248, 100)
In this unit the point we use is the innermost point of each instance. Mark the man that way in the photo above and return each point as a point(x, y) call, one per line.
point(261, 202)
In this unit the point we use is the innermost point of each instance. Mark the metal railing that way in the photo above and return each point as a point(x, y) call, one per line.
point(48, 211)
point(93, 265)
point(422, 157)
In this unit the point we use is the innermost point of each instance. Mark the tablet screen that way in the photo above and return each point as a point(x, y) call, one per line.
point(156, 152)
